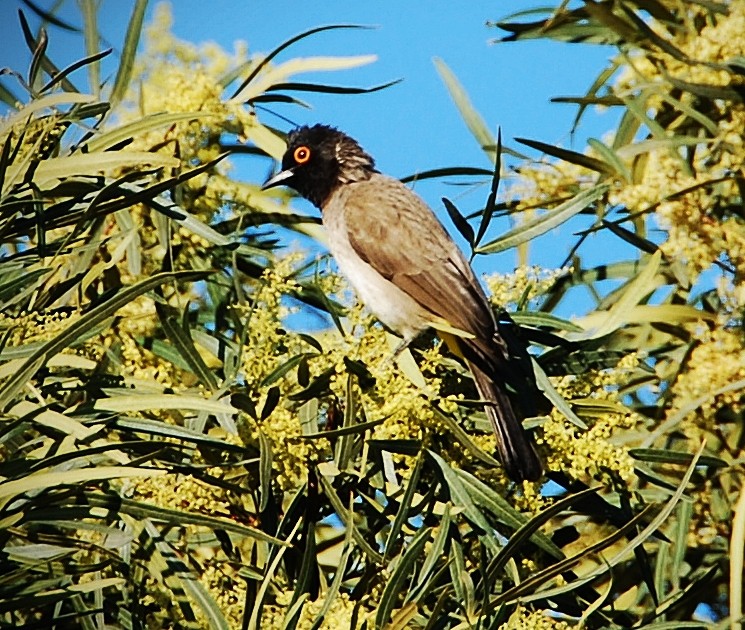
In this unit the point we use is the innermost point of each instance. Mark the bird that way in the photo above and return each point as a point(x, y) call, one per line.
point(406, 269)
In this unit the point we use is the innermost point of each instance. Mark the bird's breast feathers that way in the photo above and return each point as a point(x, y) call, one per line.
point(389, 304)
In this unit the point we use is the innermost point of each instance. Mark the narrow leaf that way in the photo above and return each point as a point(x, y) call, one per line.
point(89, 320)
point(395, 582)
point(471, 117)
point(129, 52)
point(635, 291)
point(569, 156)
point(265, 61)
point(492, 199)
point(81, 475)
point(545, 222)
point(466, 231)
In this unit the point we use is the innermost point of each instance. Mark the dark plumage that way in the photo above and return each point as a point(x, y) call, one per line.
point(406, 268)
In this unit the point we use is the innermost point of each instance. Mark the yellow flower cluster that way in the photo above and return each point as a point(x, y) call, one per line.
point(592, 453)
point(397, 399)
point(36, 326)
point(696, 235)
point(524, 284)
point(525, 619)
point(339, 615)
point(710, 382)
point(540, 183)
point(227, 589)
point(264, 316)
point(179, 492)
point(718, 42)
point(267, 346)
point(394, 396)
point(178, 77)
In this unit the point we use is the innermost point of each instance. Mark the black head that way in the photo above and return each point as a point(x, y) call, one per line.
point(320, 158)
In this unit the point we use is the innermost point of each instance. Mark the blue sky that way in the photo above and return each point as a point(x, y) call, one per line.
point(412, 126)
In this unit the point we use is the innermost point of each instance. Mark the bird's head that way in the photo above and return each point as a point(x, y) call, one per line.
point(318, 159)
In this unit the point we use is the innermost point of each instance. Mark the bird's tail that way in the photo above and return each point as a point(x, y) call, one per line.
point(516, 450)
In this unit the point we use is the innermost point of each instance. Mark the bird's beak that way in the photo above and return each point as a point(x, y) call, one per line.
point(279, 179)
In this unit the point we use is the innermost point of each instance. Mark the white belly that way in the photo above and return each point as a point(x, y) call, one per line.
point(389, 304)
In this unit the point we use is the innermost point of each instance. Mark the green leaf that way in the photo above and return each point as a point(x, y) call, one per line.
point(531, 527)
point(491, 500)
point(129, 51)
point(343, 446)
point(283, 368)
point(492, 199)
point(11, 286)
point(544, 320)
point(668, 456)
point(38, 45)
point(404, 567)
point(175, 432)
point(106, 140)
point(545, 385)
point(434, 553)
point(336, 583)
point(128, 401)
point(182, 341)
point(42, 481)
point(461, 497)
point(611, 158)
point(461, 435)
point(141, 510)
point(466, 231)
point(533, 228)
point(50, 101)
point(277, 75)
point(404, 506)
point(266, 457)
point(89, 60)
point(353, 429)
point(89, 11)
point(51, 419)
point(87, 321)
point(450, 171)
point(471, 117)
point(347, 518)
point(271, 402)
point(635, 291)
point(573, 157)
point(266, 60)
point(630, 151)
point(86, 164)
point(461, 580)
point(330, 89)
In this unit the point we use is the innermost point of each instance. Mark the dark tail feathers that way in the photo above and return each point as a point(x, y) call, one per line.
point(516, 449)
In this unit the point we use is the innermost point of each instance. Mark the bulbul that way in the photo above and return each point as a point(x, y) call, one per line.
point(406, 269)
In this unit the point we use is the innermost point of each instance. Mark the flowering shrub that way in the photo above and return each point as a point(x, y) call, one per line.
point(180, 448)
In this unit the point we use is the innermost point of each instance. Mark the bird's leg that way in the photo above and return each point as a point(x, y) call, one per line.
point(405, 342)
point(399, 348)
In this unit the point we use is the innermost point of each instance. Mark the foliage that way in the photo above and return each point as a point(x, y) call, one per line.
point(173, 453)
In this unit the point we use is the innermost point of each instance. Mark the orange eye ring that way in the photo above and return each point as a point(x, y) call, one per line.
point(301, 155)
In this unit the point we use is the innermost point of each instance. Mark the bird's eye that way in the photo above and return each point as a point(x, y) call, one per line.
point(301, 155)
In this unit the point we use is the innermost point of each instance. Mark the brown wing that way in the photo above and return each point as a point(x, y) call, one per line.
point(395, 232)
